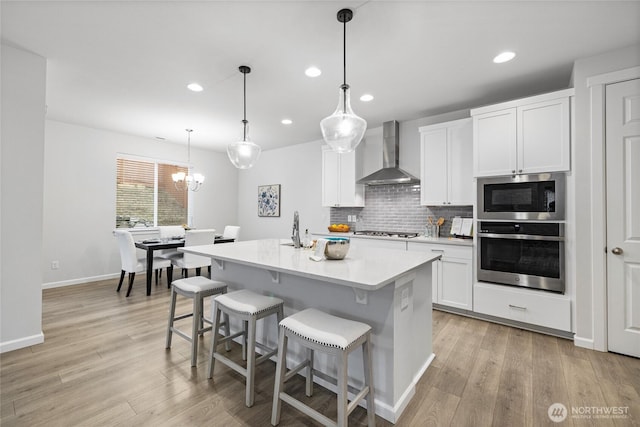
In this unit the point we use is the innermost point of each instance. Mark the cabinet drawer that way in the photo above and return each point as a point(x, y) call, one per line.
point(447, 251)
point(534, 307)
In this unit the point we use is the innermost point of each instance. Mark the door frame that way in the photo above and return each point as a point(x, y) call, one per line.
point(597, 85)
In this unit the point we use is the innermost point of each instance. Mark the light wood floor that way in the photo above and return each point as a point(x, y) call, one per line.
point(104, 363)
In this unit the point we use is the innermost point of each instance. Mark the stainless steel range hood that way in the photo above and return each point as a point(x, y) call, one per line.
point(390, 172)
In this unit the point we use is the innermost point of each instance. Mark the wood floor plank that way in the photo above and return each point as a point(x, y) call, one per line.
point(435, 409)
point(455, 373)
point(584, 389)
point(514, 406)
point(481, 391)
point(104, 362)
point(549, 384)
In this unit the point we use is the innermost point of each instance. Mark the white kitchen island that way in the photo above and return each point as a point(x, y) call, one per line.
point(387, 289)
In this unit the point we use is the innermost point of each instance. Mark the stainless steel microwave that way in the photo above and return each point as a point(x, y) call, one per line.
point(521, 197)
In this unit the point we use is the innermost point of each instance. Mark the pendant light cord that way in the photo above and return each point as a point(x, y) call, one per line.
point(344, 65)
point(189, 145)
point(244, 119)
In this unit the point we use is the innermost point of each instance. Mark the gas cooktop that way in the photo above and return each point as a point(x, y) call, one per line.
point(403, 234)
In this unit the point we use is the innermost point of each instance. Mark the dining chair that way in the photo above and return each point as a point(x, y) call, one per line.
point(132, 264)
point(231, 232)
point(167, 232)
point(187, 261)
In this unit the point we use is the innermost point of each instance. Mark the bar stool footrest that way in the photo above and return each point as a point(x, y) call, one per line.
point(307, 410)
point(295, 370)
point(230, 363)
point(265, 356)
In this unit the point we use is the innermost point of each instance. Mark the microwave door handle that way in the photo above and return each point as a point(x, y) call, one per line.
point(521, 237)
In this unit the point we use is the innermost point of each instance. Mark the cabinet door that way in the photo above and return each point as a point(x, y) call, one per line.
point(349, 193)
point(433, 168)
point(455, 287)
point(544, 136)
point(330, 178)
point(494, 143)
point(460, 164)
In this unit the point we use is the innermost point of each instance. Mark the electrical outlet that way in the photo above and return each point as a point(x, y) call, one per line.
point(404, 300)
point(55, 265)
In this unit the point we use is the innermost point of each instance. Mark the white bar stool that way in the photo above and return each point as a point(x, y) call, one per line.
point(333, 335)
point(197, 288)
point(249, 307)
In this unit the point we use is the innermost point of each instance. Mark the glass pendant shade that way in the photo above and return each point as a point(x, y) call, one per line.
point(343, 130)
point(244, 153)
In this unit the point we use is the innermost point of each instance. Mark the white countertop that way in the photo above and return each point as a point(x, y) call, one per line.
point(363, 268)
point(419, 239)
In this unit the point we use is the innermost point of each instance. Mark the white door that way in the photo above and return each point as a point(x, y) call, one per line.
point(623, 216)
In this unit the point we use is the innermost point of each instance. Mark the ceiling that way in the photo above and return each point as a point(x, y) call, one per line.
point(124, 65)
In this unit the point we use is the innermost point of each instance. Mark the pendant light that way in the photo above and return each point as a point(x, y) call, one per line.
point(183, 181)
point(244, 154)
point(343, 130)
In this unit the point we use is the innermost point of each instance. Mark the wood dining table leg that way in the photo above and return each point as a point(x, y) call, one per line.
point(149, 269)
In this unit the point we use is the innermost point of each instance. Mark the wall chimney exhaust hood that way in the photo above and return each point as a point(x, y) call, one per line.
point(390, 172)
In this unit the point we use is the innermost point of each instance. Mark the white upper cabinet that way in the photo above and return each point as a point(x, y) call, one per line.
point(530, 135)
point(339, 175)
point(446, 163)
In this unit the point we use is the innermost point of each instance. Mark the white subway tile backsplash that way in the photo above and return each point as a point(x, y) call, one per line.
point(397, 208)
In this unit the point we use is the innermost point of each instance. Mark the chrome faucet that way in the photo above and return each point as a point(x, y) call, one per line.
point(296, 230)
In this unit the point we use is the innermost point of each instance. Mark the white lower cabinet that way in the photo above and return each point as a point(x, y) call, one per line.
point(523, 305)
point(452, 274)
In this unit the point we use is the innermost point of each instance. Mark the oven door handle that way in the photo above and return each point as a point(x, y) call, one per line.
point(522, 237)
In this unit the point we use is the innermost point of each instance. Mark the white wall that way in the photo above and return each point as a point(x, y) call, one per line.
point(80, 197)
point(298, 169)
point(588, 166)
point(21, 182)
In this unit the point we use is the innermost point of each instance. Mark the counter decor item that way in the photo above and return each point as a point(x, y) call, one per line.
point(339, 228)
point(432, 229)
point(269, 200)
point(336, 247)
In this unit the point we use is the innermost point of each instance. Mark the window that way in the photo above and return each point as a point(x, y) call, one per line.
point(146, 194)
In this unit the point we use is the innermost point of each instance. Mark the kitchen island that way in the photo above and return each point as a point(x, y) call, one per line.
point(387, 289)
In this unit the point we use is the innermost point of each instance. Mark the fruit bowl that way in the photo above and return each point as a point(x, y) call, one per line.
point(339, 228)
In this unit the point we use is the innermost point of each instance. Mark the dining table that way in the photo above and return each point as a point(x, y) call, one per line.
point(151, 245)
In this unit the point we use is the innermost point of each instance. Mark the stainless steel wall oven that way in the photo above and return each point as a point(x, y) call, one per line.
point(527, 254)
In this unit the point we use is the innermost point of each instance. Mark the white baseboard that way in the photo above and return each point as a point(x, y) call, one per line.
point(584, 342)
point(21, 342)
point(79, 281)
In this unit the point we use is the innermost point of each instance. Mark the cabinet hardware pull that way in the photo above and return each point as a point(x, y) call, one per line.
point(517, 306)
point(437, 250)
point(616, 251)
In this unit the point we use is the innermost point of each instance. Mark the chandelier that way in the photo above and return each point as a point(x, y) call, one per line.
point(244, 154)
point(343, 130)
point(183, 181)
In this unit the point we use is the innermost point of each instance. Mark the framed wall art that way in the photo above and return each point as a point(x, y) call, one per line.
point(269, 200)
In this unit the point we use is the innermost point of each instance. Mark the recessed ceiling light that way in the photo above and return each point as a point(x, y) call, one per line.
point(312, 72)
point(504, 57)
point(194, 87)
point(286, 121)
point(366, 97)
